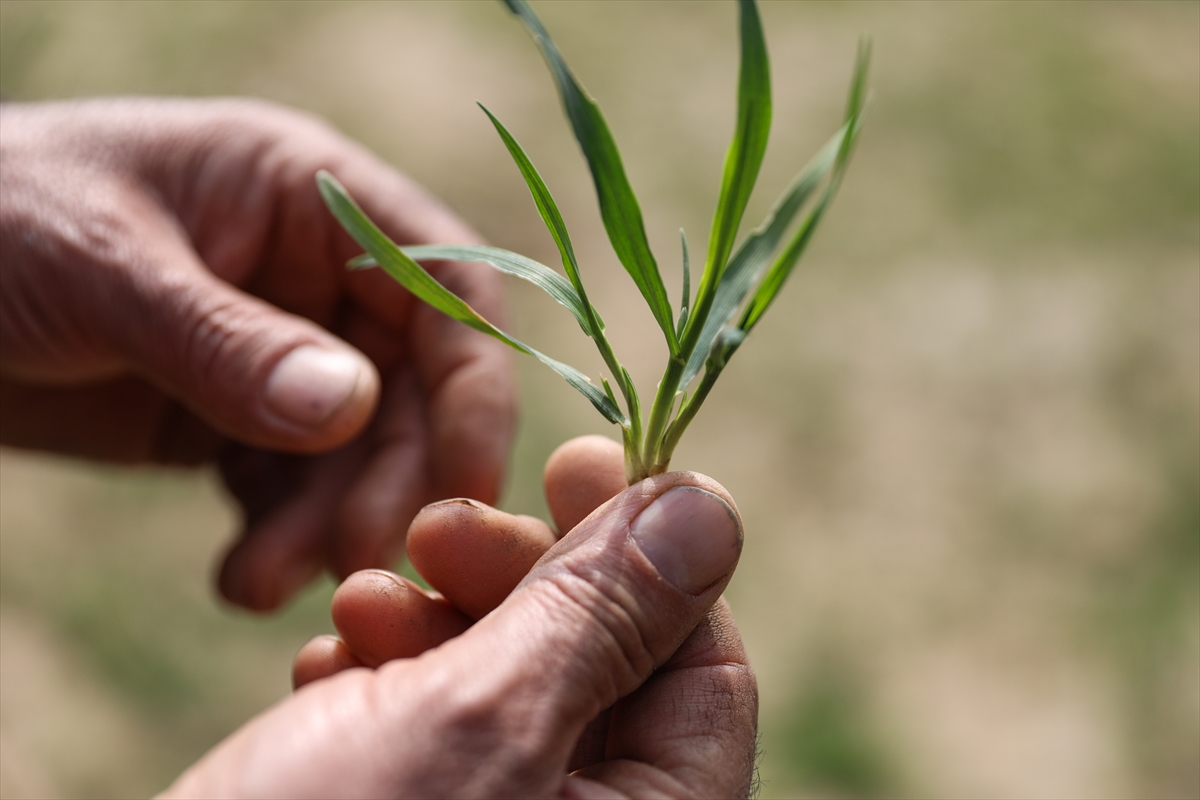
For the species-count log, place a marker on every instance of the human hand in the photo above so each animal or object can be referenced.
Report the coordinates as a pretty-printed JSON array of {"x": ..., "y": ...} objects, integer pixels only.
[
  {"x": 175, "y": 292},
  {"x": 618, "y": 615}
]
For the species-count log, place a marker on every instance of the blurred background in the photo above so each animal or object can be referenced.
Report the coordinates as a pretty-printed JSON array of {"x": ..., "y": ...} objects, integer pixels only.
[{"x": 966, "y": 440}]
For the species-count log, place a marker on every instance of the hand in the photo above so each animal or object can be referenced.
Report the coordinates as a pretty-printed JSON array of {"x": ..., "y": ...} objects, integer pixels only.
[
  {"x": 175, "y": 292},
  {"x": 618, "y": 615}
]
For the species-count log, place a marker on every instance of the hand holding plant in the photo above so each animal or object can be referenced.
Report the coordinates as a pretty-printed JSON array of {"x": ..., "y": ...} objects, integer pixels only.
[
  {"x": 736, "y": 285},
  {"x": 602, "y": 664}
]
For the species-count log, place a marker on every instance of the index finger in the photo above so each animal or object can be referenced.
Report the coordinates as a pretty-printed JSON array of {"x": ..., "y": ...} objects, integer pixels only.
[{"x": 476, "y": 555}]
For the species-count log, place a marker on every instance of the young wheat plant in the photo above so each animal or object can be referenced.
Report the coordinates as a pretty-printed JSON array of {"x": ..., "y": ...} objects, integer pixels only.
[{"x": 737, "y": 284}]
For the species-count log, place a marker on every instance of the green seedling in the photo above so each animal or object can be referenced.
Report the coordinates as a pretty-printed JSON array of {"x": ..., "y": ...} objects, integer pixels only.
[{"x": 737, "y": 284}]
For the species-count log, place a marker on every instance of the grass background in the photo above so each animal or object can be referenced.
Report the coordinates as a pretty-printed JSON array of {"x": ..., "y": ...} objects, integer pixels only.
[{"x": 966, "y": 440}]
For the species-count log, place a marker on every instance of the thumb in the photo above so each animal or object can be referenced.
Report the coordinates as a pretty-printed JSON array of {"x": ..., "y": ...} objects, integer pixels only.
[
  {"x": 603, "y": 608},
  {"x": 251, "y": 370}
]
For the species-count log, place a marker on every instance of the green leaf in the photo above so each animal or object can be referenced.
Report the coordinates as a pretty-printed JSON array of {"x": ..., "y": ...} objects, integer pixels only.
[
  {"x": 857, "y": 99},
  {"x": 514, "y": 264},
  {"x": 754, "y": 254},
  {"x": 551, "y": 216},
  {"x": 558, "y": 230},
  {"x": 505, "y": 261},
  {"x": 686, "y": 295},
  {"x": 603, "y": 403},
  {"x": 766, "y": 292},
  {"x": 618, "y": 205},
  {"x": 729, "y": 340},
  {"x": 745, "y": 155},
  {"x": 782, "y": 268},
  {"x": 413, "y": 277}
]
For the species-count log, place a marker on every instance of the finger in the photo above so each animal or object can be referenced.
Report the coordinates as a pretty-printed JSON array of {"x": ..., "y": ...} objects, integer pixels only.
[
  {"x": 473, "y": 554},
  {"x": 606, "y": 606},
  {"x": 290, "y": 505},
  {"x": 468, "y": 379},
  {"x": 348, "y": 510},
  {"x": 122, "y": 420},
  {"x": 373, "y": 517},
  {"x": 381, "y": 616},
  {"x": 114, "y": 420},
  {"x": 697, "y": 717},
  {"x": 320, "y": 658},
  {"x": 476, "y": 555},
  {"x": 255, "y": 373},
  {"x": 580, "y": 476}
]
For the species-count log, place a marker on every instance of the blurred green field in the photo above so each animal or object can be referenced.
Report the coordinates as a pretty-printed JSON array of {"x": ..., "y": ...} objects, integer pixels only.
[{"x": 966, "y": 441}]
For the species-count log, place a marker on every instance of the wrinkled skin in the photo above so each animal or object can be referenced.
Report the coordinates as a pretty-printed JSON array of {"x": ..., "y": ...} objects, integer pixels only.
[
  {"x": 161, "y": 258},
  {"x": 593, "y": 677}
]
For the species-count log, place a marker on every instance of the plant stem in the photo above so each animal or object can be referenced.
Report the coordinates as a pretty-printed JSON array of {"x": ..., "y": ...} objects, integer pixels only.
[
  {"x": 631, "y": 436},
  {"x": 619, "y": 375},
  {"x": 660, "y": 412},
  {"x": 684, "y": 417}
]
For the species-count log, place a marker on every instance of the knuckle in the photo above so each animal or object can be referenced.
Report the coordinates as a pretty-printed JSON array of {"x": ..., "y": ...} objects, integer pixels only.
[
  {"x": 608, "y": 617},
  {"x": 212, "y": 349},
  {"x": 502, "y": 741},
  {"x": 268, "y": 117}
]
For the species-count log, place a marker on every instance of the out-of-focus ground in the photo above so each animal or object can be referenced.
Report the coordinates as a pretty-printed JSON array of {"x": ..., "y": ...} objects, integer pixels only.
[{"x": 966, "y": 441}]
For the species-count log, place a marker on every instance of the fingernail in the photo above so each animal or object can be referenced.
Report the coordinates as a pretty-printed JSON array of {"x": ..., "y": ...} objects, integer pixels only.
[
  {"x": 382, "y": 576},
  {"x": 459, "y": 501},
  {"x": 692, "y": 537},
  {"x": 310, "y": 383}
]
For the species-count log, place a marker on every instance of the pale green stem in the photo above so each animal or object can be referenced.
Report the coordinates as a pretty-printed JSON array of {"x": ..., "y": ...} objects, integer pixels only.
[
  {"x": 684, "y": 418},
  {"x": 614, "y": 366},
  {"x": 660, "y": 412}
]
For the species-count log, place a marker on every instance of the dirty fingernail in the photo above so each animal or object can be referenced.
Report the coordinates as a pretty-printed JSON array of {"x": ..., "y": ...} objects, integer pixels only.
[
  {"x": 691, "y": 536},
  {"x": 459, "y": 501}
]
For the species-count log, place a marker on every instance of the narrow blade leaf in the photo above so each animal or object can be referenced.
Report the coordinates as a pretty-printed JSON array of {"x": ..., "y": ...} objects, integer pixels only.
[
  {"x": 413, "y": 277},
  {"x": 618, "y": 205},
  {"x": 782, "y": 268},
  {"x": 544, "y": 202},
  {"x": 509, "y": 263},
  {"x": 687, "y": 286},
  {"x": 729, "y": 340},
  {"x": 602, "y": 401},
  {"x": 754, "y": 254},
  {"x": 745, "y": 155}
]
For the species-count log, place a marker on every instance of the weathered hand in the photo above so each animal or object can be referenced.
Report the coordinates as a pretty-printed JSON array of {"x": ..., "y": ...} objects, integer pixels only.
[
  {"x": 608, "y": 671},
  {"x": 174, "y": 291}
]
